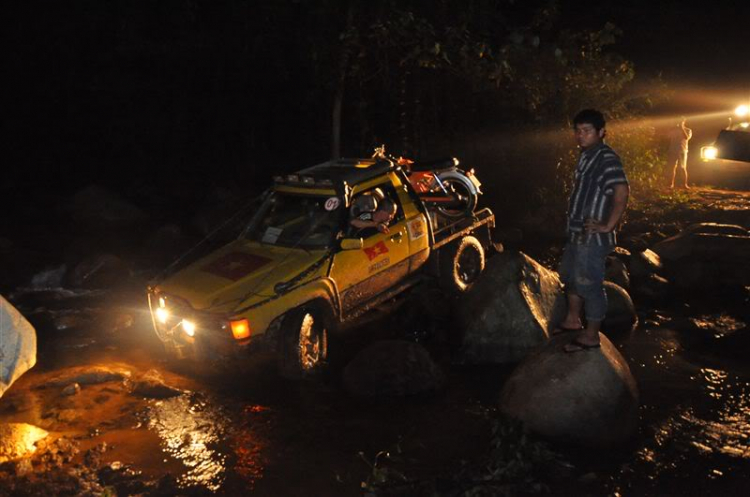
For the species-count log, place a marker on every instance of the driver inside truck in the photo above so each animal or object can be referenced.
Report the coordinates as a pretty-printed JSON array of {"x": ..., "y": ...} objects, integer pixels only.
[{"x": 372, "y": 210}]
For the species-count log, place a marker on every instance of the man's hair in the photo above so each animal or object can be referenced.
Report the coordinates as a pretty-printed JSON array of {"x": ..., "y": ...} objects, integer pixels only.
[{"x": 590, "y": 116}]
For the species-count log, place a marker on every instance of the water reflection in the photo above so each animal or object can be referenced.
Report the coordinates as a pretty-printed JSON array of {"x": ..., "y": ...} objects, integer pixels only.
[
  {"x": 718, "y": 426},
  {"x": 720, "y": 324},
  {"x": 203, "y": 438},
  {"x": 191, "y": 433}
]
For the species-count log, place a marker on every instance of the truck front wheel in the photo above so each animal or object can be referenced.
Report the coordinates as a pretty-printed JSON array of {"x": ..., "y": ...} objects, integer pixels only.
[
  {"x": 461, "y": 264},
  {"x": 304, "y": 343}
]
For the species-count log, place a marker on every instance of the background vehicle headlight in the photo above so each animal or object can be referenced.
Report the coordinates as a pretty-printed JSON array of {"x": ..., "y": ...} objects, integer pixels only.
[
  {"x": 741, "y": 111},
  {"x": 162, "y": 315},
  {"x": 709, "y": 152},
  {"x": 188, "y": 327}
]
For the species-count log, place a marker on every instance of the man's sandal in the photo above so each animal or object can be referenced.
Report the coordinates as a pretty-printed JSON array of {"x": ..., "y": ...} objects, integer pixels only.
[
  {"x": 580, "y": 346},
  {"x": 559, "y": 330}
]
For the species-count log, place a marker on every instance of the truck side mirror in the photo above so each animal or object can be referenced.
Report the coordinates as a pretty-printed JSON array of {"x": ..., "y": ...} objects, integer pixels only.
[{"x": 352, "y": 244}]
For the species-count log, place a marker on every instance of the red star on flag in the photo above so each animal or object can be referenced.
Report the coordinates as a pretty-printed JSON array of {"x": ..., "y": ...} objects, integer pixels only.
[
  {"x": 235, "y": 265},
  {"x": 378, "y": 249}
]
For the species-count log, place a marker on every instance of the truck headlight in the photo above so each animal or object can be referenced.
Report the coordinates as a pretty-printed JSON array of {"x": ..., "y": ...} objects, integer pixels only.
[
  {"x": 188, "y": 327},
  {"x": 162, "y": 315},
  {"x": 709, "y": 153}
]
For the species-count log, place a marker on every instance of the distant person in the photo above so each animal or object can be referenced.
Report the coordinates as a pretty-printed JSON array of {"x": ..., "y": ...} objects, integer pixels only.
[
  {"x": 596, "y": 206},
  {"x": 679, "y": 136}
]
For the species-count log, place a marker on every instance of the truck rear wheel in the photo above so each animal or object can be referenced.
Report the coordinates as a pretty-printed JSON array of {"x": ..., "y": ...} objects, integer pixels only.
[
  {"x": 304, "y": 344},
  {"x": 461, "y": 264}
]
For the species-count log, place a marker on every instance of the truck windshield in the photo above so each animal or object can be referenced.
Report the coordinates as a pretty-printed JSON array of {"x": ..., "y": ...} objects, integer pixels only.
[{"x": 297, "y": 221}]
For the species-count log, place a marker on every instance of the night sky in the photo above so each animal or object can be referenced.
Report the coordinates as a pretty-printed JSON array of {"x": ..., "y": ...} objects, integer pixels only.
[{"x": 109, "y": 92}]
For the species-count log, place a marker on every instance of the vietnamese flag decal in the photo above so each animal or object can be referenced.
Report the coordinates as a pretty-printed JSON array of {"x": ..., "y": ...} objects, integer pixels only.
[
  {"x": 235, "y": 265},
  {"x": 376, "y": 250}
]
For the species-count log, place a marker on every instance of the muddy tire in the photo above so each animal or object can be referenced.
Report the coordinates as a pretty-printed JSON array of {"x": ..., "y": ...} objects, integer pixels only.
[
  {"x": 461, "y": 264},
  {"x": 303, "y": 347}
]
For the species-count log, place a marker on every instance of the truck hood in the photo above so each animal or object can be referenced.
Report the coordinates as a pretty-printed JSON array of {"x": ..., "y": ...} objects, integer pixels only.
[{"x": 241, "y": 272}]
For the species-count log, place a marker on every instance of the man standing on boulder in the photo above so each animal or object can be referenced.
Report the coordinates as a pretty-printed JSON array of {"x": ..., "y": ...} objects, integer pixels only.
[{"x": 595, "y": 209}]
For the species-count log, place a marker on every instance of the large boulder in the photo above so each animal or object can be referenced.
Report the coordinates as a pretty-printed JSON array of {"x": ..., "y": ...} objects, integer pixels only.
[
  {"x": 621, "y": 316},
  {"x": 95, "y": 206},
  {"x": 691, "y": 242},
  {"x": 707, "y": 255},
  {"x": 17, "y": 440},
  {"x": 99, "y": 271},
  {"x": 588, "y": 398},
  {"x": 392, "y": 368},
  {"x": 510, "y": 310},
  {"x": 17, "y": 345},
  {"x": 616, "y": 271},
  {"x": 655, "y": 289},
  {"x": 643, "y": 264}
]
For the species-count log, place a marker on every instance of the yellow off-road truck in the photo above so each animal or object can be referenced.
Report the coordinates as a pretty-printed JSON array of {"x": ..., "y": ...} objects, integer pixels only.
[{"x": 299, "y": 270}]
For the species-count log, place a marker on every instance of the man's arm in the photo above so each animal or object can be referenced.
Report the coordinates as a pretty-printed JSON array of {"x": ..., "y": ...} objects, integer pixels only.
[
  {"x": 361, "y": 224},
  {"x": 619, "y": 203}
]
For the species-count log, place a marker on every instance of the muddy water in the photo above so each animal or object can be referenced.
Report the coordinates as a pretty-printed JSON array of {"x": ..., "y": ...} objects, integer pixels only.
[{"x": 247, "y": 432}]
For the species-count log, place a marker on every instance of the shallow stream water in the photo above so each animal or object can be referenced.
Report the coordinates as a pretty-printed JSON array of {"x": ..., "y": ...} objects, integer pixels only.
[{"x": 248, "y": 432}]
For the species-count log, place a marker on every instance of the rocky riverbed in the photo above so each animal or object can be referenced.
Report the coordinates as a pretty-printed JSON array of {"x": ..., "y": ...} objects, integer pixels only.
[{"x": 117, "y": 418}]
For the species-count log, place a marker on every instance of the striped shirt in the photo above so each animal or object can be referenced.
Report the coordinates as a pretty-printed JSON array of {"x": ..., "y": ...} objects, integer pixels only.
[{"x": 598, "y": 170}]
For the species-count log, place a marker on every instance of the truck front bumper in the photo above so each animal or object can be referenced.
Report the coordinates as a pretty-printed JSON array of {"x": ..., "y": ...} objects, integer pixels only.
[{"x": 207, "y": 337}]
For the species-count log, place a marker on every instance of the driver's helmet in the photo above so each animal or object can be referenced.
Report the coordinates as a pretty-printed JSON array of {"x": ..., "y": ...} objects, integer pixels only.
[{"x": 364, "y": 203}]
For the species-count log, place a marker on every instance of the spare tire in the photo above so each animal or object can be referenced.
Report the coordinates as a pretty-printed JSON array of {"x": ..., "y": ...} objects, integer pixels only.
[{"x": 461, "y": 263}]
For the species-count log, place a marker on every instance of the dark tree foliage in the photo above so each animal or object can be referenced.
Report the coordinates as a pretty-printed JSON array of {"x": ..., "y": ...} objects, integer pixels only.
[{"x": 199, "y": 90}]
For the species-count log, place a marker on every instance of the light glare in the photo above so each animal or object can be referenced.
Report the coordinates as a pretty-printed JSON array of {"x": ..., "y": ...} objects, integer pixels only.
[
  {"x": 710, "y": 152},
  {"x": 162, "y": 315},
  {"x": 188, "y": 327}
]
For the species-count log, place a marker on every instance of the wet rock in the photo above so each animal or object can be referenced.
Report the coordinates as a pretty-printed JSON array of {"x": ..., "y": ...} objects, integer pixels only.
[
  {"x": 17, "y": 440},
  {"x": 98, "y": 271},
  {"x": 588, "y": 398},
  {"x": 72, "y": 320},
  {"x": 112, "y": 322},
  {"x": 67, "y": 415},
  {"x": 151, "y": 385},
  {"x": 621, "y": 316},
  {"x": 165, "y": 245},
  {"x": 88, "y": 376},
  {"x": 690, "y": 242},
  {"x": 72, "y": 389},
  {"x": 392, "y": 368},
  {"x": 712, "y": 270},
  {"x": 97, "y": 207},
  {"x": 654, "y": 288},
  {"x": 511, "y": 309},
  {"x": 617, "y": 272},
  {"x": 623, "y": 254},
  {"x": 93, "y": 457},
  {"x": 634, "y": 243},
  {"x": 643, "y": 264},
  {"x": 49, "y": 278},
  {"x": 17, "y": 345},
  {"x": 21, "y": 467}
]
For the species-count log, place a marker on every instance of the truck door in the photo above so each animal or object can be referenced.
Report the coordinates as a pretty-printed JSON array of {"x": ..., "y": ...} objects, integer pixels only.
[{"x": 382, "y": 262}]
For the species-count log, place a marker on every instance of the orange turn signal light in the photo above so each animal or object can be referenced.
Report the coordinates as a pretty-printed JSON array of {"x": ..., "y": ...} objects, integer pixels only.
[{"x": 240, "y": 329}]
